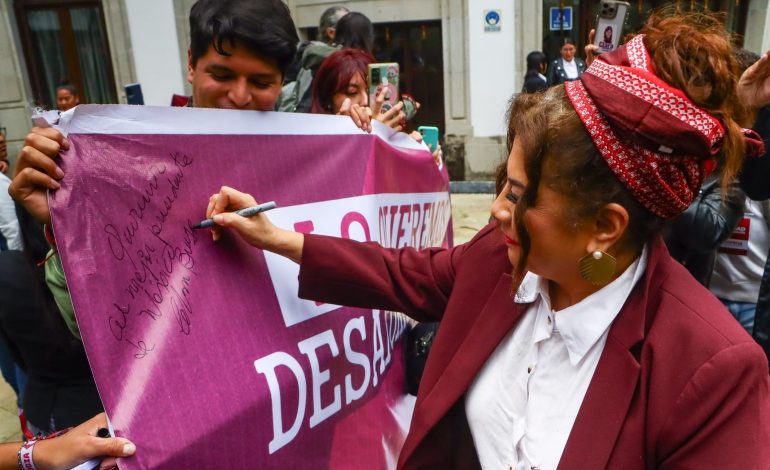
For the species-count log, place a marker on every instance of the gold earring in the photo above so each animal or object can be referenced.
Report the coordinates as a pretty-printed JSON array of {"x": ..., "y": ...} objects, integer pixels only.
[{"x": 598, "y": 267}]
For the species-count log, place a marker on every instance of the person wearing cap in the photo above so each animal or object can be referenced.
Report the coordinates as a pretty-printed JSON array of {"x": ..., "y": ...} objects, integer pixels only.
[{"x": 569, "y": 336}]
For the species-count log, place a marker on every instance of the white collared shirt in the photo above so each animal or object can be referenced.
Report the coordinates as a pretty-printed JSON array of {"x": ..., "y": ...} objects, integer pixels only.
[
  {"x": 523, "y": 403},
  {"x": 570, "y": 68}
]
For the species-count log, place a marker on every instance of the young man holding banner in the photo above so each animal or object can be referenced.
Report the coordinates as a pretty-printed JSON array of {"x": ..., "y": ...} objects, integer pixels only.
[{"x": 231, "y": 65}]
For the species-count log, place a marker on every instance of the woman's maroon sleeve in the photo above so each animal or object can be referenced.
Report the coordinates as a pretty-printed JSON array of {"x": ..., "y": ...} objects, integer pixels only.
[{"x": 347, "y": 272}]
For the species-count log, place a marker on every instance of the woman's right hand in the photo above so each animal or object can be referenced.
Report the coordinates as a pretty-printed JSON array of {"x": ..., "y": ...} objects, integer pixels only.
[
  {"x": 361, "y": 115},
  {"x": 256, "y": 230},
  {"x": 36, "y": 171}
]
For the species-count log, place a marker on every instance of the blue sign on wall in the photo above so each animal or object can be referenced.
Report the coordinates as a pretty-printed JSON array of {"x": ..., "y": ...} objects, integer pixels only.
[
  {"x": 492, "y": 21},
  {"x": 561, "y": 18}
]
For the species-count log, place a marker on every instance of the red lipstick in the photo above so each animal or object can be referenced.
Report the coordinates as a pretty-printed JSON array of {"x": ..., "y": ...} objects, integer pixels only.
[{"x": 510, "y": 241}]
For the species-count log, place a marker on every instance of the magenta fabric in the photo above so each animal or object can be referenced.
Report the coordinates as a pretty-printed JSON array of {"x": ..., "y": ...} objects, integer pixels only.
[{"x": 177, "y": 327}]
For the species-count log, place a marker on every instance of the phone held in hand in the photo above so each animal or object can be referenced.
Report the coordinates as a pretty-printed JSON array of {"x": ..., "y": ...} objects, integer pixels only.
[
  {"x": 383, "y": 77},
  {"x": 609, "y": 24},
  {"x": 429, "y": 136},
  {"x": 410, "y": 106}
]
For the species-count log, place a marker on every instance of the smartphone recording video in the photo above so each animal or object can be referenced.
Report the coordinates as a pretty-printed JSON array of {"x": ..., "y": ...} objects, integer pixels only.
[
  {"x": 383, "y": 77},
  {"x": 609, "y": 24}
]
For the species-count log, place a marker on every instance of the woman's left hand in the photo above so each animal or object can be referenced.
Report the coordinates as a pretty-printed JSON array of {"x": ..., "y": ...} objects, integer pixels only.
[
  {"x": 79, "y": 445},
  {"x": 437, "y": 154},
  {"x": 416, "y": 136}
]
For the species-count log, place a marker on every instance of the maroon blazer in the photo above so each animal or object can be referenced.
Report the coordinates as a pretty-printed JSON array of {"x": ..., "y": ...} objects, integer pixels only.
[{"x": 680, "y": 385}]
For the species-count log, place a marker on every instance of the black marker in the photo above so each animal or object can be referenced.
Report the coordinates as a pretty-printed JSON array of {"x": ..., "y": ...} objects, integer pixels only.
[{"x": 247, "y": 212}]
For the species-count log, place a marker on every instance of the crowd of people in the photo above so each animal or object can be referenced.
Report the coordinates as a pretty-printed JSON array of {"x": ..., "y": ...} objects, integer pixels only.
[{"x": 576, "y": 329}]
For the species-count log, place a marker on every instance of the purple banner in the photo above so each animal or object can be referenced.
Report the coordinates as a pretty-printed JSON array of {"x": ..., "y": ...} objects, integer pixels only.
[{"x": 202, "y": 353}]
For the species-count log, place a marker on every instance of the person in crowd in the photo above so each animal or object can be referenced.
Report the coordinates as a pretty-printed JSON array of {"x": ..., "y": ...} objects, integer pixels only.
[
  {"x": 754, "y": 93},
  {"x": 10, "y": 233},
  {"x": 327, "y": 27},
  {"x": 355, "y": 30},
  {"x": 569, "y": 336},
  {"x": 60, "y": 391},
  {"x": 740, "y": 263},
  {"x": 4, "y": 165},
  {"x": 534, "y": 80},
  {"x": 340, "y": 87},
  {"x": 568, "y": 67},
  {"x": 67, "y": 450},
  {"x": 10, "y": 240},
  {"x": 296, "y": 94},
  {"x": 67, "y": 96},
  {"x": 694, "y": 236}
]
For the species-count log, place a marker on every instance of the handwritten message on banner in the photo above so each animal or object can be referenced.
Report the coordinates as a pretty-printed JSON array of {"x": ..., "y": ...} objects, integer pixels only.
[{"x": 202, "y": 352}]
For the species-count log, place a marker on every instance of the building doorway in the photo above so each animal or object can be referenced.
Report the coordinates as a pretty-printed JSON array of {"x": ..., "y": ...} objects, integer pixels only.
[
  {"x": 417, "y": 47},
  {"x": 66, "y": 41}
]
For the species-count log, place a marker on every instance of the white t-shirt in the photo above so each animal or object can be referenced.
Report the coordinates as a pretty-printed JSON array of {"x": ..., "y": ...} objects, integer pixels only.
[
  {"x": 740, "y": 261},
  {"x": 523, "y": 403},
  {"x": 9, "y": 224}
]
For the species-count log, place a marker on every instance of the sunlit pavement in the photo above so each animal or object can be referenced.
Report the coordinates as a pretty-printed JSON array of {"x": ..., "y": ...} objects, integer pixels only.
[
  {"x": 9, "y": 419},
  {"x": 470, "y": 213}
]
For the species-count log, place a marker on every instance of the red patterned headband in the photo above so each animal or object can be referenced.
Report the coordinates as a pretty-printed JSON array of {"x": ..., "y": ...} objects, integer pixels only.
[{"x": 656, "y": 141}]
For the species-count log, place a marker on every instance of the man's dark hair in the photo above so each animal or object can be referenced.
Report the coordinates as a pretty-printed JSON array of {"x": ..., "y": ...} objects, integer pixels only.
[
  {"x": 264, "y": 27},
  {"x": 65, "y": 85},
  {"x": 745, "y": 58},
  {"x": 356, "y": 31},
  {"x": 329, "y": 19}
]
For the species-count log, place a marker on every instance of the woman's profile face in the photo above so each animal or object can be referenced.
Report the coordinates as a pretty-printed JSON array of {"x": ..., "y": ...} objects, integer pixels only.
[
  {"x": 355, "y": 90},
  {"x": 555, "y": 246}
]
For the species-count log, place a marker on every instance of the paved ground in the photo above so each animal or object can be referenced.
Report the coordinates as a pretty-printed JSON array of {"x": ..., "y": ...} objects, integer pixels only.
[
  {"x": 9, "y": 419},
  {"x": 470, "y": 212}
]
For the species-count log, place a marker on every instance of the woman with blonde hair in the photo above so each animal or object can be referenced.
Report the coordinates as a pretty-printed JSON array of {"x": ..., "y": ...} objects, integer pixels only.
[{"x": 569, "y": 337}]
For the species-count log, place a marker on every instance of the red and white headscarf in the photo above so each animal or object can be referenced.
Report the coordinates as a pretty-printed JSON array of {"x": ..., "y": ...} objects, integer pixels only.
[{"x": 659, "y": 143}]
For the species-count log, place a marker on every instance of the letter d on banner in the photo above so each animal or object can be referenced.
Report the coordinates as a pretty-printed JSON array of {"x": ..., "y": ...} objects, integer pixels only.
[{"x": 267, "y": 366}]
